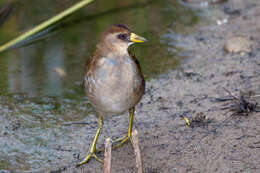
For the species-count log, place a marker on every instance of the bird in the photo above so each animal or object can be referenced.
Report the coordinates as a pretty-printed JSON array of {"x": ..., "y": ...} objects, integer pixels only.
[{"x": 113, "y": 81}]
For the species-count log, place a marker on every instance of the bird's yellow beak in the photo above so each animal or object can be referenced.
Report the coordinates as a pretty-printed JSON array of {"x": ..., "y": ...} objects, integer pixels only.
[{"x": 136, "y": 38}]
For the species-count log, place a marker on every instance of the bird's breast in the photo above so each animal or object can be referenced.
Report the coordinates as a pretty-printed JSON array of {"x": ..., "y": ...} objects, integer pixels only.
[{"x": 113, "y": 85}]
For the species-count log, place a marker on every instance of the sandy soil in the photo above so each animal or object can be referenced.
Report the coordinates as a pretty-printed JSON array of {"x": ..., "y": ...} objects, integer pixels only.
[{"x": 167, "y": 144}]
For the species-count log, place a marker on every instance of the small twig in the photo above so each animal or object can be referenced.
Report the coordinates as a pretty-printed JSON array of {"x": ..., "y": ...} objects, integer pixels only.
[
  {"x": 255, "y": 96},
  {"x": 138, "y": 158},
  {"x": 235, "y": 97},
  {"x": 108, "y": 153},
  {"x": 187, "y": 121},
  {"x": 61, "y": 149}
]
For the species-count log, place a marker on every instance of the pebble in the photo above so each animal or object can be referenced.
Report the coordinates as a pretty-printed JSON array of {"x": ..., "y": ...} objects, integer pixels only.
[{"x": 239, "y": 44}]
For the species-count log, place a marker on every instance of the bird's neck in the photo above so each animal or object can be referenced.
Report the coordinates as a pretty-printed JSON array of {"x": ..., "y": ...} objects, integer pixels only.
[{"x": 111, "y": 50}]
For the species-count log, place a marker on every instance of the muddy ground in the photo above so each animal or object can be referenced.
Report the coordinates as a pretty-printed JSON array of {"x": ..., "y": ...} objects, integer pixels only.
[{"x": 167, "y": 144}]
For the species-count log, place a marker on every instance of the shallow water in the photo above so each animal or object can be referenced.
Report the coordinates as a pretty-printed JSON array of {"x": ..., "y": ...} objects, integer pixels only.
[{"x": 40, "y": 83}]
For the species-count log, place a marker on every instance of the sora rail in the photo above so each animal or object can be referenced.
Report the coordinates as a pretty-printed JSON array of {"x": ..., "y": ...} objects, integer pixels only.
[{"x": 113, "y": 81}]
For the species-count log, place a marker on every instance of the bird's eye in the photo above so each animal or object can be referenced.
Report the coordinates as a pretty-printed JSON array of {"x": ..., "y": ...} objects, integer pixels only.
[{"x": 123, "y": 36}]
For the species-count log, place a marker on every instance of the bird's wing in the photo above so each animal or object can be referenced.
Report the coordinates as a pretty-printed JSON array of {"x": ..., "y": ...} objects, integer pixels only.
[
  {"x": 138, "y": 67},
  {"x": 90, "y": 63},
  {"x": 136, "y": 62}
]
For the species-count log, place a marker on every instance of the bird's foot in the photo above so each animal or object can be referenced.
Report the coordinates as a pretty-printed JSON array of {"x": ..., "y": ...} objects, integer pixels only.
[
  {"x": 122, "y": 140},
  {"x": 89, "y": 156}
]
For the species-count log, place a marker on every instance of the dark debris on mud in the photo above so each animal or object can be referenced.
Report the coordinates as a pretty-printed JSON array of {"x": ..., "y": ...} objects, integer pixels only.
[
  {"x": 241, "y": 105},
  {"x": 198, "y": 120}
]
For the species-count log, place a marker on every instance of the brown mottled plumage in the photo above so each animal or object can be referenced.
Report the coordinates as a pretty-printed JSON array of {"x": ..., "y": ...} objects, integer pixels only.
[{"x": 113, "y": 81}]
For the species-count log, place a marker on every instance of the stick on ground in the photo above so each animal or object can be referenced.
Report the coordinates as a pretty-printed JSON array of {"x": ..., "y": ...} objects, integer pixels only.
[
  {"x": 107, "y": 159},
  {"x": 138, "y": 159}
]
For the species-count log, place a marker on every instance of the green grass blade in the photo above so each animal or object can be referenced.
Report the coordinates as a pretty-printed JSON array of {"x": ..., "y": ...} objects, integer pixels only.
[{"x": 45, "y": 24}]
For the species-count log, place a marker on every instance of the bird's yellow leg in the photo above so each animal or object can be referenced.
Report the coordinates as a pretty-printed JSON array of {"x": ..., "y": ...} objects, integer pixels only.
[
  {"x": 127, "y": 137},
  {"x": 93, "y": 146}
]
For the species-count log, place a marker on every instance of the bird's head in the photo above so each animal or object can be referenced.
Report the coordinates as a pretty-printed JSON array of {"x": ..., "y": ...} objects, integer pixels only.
[{"x": 118, "y": 38}]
